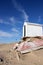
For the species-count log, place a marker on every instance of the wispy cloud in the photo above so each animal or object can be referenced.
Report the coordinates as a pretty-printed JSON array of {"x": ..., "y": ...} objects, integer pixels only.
[
  {"x": 20, "y": 9},
  {"x": 8, "y": 21},
  {"x": 15, "y": 33},
  {"x": 25, "y": 16},
  {"x": 14, "y": 30},
  {"x": 39, "y": 18},
  {"x": 5, "y": 34},
  {"x": 1, "y": 21},
  {"x": 12, "y": 19}
]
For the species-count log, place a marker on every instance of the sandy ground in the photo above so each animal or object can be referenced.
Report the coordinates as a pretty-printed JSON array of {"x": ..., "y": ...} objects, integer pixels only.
[{"x": 10, "y": 57}]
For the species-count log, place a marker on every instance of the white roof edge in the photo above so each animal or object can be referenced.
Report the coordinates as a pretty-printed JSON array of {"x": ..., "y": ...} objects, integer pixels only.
[{"x": 25, "y": 23}]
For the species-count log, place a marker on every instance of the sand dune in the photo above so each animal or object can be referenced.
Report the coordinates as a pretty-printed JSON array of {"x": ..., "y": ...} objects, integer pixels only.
[{"x": 10, "y": 57}]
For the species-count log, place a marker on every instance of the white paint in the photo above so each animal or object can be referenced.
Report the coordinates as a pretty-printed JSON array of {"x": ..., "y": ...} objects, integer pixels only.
[{"x": 32, "y": 29}]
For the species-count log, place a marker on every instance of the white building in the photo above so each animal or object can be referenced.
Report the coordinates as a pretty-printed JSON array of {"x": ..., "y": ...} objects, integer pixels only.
[{"x": 32, "y": 29}]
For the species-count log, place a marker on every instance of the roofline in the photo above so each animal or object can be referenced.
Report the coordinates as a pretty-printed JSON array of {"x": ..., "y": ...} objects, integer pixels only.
[{"x": 33, "y": 24}]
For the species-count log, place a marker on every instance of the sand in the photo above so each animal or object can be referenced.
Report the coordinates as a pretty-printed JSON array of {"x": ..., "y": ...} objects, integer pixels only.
[{"x": 10, "y": 57}]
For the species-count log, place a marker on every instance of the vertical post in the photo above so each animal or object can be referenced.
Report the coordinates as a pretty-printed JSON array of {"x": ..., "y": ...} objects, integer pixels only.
[{"x": 24, "y": 29}]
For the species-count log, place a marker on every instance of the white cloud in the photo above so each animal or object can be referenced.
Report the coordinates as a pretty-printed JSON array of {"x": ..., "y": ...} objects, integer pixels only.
[
  {"x": 12, "y": 19},
  {"x": 4, "y": 22},
  {"x": 39, "y": 19},
  {"x": 9, "y": 21},
  {"x": 1, "y": 21},
  {"x": 5, "y": 34},
  {"x": 16, "y": 5},
  {"x": 25, "y": 16},
  {"x": 14, "y": 30},
  {"x": 15, "y": 33},
  {"x": 20, "y": 9}
]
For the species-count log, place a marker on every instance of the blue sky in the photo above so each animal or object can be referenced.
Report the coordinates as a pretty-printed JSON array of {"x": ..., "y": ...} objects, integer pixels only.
[{"x": 13, "y": 13}]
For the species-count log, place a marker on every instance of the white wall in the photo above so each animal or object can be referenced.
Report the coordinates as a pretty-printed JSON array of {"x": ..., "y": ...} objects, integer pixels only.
[{"x": 33, "y": 30}]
